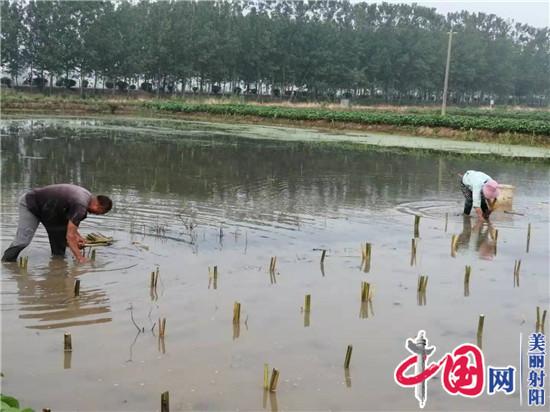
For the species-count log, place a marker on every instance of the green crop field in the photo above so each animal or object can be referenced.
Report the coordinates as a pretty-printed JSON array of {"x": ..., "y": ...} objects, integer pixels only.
[{"x": 454, "y": 121}]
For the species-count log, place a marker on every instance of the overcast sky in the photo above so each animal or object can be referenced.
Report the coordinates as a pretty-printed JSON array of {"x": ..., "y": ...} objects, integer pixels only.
[{"x": 533, "y": 12}]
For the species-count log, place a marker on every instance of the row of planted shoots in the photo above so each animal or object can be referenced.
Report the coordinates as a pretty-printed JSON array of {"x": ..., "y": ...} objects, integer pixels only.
[{"x": 366, "y": 296}]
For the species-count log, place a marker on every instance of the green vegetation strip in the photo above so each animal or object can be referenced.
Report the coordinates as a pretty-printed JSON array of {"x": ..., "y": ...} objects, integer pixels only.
[
  {"x": 460, "y": 122},
  {"x": 11, "y": 404}
]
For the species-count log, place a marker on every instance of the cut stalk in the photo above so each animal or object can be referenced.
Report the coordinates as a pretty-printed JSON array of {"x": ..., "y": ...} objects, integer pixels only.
[
  {"x": 348, "y": 356},
  {"x": 517, "y": 266},
  {"x": 413, "y": 251},
  {"x": 165, "y": 402},
  {"x": 365, "y": 291},
  {"x": 454, "y": 241},
  {"x": 162, "y": 327},
  {"x": 417, "y": 226},
  {"x": 528, "y": 237},
  {"x": 366, "y": 252},
  {"x": 480, "y": 324},
  {"x": 236, "y": 312},
  {"x": 323, "y": 254},
  {"x": 152, "y": 280},
  {"x": 467, "y": 272},
  {"x": 266, "y": 376},
  {"x": 446, "y": 221},
  {"x": 422, "y": 284},
  {"x": 67, "y": 342},
  {"x": 273, "y": 264},
  {"x": 93, "y": 255},
  {"x": 274, "y": 380},
  {"x": 77, "y": 287},
  {"x": 538, "y": 324},
  {"x": 307, "y": 305}
]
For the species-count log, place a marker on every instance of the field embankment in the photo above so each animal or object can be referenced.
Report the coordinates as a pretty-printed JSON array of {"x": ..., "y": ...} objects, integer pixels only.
[{"x": 499, "y": 126}]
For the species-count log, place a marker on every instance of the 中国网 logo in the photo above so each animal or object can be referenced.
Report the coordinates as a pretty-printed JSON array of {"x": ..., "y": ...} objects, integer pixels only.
[{"x": 463, "y": 371}]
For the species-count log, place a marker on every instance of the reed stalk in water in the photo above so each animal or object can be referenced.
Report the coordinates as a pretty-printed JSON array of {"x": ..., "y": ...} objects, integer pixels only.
[
  {"x": 67, "y": 342},
  {"x": 414, "y": 245},
  {"x": 454, "y": 241},
  {"x": 274, "y": 380},
  {"x": 347, "y": 360},
  {"x": 480, "y": 324},
  {"x": 23, "y": 262},
  {"x": 323, "y": 254},
  {"x": 272, "y": 264},
  {"x": 307, "y": 303},
  {"x": 77, "y": 287},
  {"x": 467, "y": 273},
  {"x": 366, "y": 253},
  {"x": 165, "y": 402},
  {"x": 266, "y": 376},
  {"x": 162, "y": 327},
  {"x": 543, "y": 321},
  {"x": 517, "y": 266},
  {"x": 528, "y": 237},
  {"x": 365, "y": 291},
  {"x": 417, "y": 226},
  {"x": 236, "y": 312}
]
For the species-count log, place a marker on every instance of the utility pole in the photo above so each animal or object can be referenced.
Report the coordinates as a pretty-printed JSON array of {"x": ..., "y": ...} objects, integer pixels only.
[{"x": 446, "y": 84}]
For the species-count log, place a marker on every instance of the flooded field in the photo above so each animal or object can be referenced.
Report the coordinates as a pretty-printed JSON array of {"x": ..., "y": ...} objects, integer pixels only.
[{"x": 187, "y": 199}]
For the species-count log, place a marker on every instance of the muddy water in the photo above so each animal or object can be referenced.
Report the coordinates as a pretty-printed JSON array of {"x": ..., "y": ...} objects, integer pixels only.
[{"x": 186, "y": 199}]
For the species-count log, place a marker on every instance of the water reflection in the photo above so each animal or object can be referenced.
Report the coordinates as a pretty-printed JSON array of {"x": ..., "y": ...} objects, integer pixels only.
[
  {"x": 48, "y": 300},
  {"x": 477, "y": 235}
]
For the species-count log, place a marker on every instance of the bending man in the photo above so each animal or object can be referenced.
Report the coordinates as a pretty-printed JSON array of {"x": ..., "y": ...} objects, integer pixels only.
[{"x": 60, "y": 208}]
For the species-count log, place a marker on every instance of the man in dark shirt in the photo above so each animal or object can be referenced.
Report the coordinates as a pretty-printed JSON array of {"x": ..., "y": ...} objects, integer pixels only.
[{"x": 60, "y": 208}]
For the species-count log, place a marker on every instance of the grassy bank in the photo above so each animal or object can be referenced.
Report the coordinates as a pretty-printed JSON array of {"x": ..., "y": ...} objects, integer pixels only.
[{"x": 498, "y": 126}]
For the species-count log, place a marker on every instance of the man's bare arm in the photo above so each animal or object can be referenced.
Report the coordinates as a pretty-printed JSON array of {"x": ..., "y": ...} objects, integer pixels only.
[{"x": 73, "y": 241}]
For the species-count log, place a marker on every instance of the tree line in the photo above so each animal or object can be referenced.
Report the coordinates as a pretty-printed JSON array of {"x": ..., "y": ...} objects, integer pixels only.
[{"x": 319, "y": 49}]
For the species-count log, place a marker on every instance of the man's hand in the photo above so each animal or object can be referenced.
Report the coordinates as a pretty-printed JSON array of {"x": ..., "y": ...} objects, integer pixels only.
[{"x": 74, "y": 241}]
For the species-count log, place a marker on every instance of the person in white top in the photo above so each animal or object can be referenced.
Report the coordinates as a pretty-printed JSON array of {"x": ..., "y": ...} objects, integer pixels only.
[{"x": 480, "y": 192}]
